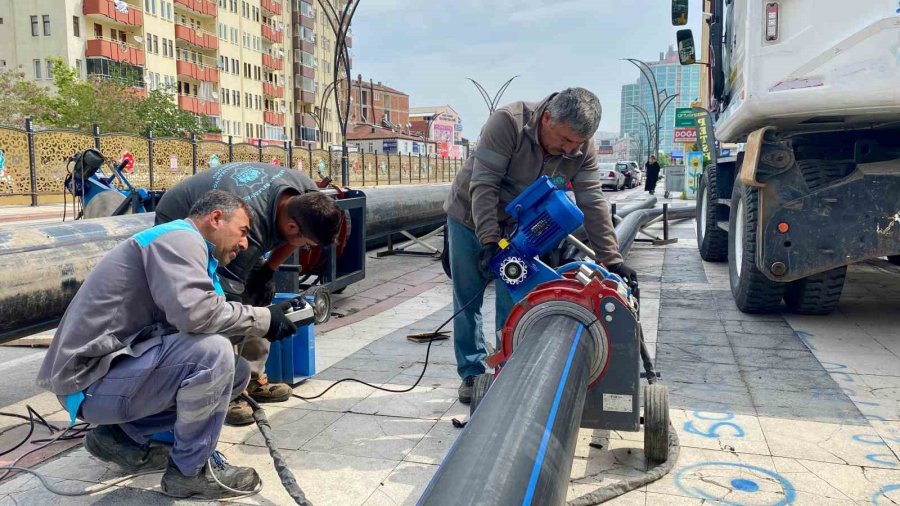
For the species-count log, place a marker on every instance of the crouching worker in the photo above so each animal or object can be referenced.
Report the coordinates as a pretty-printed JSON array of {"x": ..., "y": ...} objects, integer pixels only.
[{"x": 146, "y": 346}]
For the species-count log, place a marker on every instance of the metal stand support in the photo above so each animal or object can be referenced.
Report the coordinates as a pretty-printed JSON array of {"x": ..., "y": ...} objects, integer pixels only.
[
  {"x": 654, "y": 240},
  {"x": 413, "y": 240}
]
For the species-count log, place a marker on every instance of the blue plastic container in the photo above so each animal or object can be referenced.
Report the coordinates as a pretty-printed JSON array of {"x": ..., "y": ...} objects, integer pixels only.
[{"x": 292, "y": 359}]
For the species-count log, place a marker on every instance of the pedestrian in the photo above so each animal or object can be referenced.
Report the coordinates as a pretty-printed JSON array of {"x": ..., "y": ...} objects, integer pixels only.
[
  {"x": 145, "y": 346},
  {"x": 520, "y": 143},
  {"x": 288, "y": 212},
  {"x": 651, "y": 168}
]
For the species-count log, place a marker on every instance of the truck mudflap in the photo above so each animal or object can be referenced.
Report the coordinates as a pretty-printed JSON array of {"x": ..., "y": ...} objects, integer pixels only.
[{"x": 855, "y": 219}]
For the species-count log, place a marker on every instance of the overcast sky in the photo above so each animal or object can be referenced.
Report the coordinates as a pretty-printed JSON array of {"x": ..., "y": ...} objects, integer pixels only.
[{"x": 427, "y": 48}]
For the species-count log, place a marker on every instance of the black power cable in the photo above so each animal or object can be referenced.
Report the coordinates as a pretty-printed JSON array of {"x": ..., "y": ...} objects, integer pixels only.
[{"x": 432, "y": 338}]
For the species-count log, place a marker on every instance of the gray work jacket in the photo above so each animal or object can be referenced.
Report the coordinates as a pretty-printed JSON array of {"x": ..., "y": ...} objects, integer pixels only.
[
  {"x": 507, "y": 160},
  {"x": 160, "y": 281}
]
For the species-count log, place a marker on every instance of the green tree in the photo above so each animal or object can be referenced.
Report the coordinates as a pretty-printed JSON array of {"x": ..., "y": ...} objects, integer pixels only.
[
  {"x": 161, "y": 115},
  {"x": 79, "y": 103},
  {"x": 19, "y": 98}
]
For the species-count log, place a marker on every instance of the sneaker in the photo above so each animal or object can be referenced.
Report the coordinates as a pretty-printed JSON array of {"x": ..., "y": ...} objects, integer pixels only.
[
  {"x": 243, "y": 480},
  {"x": 239, "y": 413},
  {"x": 263, "y": 391},
  {"x": 110, "y": 443},
  {"x": 465, "y": 389}
]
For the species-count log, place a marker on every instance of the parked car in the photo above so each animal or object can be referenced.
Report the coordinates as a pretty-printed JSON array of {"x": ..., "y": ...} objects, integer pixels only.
[
  {"x": 638, "y": 171},
  {"x": 611, "y": 178},
  {"x": 632, "y": 174}
]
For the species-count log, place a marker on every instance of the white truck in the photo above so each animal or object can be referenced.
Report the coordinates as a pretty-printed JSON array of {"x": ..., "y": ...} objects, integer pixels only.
[{"x": 812, "y": 90}]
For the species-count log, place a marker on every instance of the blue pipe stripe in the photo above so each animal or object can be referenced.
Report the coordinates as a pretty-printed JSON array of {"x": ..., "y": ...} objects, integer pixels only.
[
  {"x": 548, "y": 428},
  {"x": 574, "y": 265}
]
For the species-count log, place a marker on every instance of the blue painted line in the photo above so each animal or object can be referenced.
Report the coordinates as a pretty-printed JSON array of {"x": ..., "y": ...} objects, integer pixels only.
[{"x": 542, "y": 450}]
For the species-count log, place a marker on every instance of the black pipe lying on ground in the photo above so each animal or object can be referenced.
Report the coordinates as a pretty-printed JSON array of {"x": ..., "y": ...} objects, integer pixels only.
[
  {"x": 43, "y": 264},
  {"x": 532, "y": 409},
  {"x": 519, "y": 444}
]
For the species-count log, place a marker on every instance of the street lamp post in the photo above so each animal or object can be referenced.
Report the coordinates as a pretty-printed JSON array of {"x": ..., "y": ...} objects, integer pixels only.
[
  {"x": 661, "y": 100},
  {"x": 340, "y": 25},
  {"x": 491, "y": 103},
  {"x": 320, "y": 117}
]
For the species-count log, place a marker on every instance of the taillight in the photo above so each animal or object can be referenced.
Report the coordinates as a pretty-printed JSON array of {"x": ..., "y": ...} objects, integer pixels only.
[
  {"x": 771, "y": 21},
  {"x": 612, "y": 174}
]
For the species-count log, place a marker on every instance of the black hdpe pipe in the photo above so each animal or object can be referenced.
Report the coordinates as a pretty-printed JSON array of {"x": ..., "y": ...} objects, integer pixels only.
[
  {"x": 512, "y": 451},
  {"x": 42, "y": 265},
  {"x": 522, "y": 437}
]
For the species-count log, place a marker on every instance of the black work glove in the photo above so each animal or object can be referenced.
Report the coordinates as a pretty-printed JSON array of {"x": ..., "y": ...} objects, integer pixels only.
[
  {"x": 233, "y": 297},
  {"x": 487, "y": 253},
  {"x": 629, "y": 275},
  {"x": 279, "y": 325},
  {"x": 259, "y": 290}
]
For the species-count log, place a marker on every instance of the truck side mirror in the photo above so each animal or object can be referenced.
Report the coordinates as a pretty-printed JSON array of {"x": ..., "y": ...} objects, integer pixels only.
[
  {"x": 679, "y": 12},
  {"x": 686, "y": 53}
]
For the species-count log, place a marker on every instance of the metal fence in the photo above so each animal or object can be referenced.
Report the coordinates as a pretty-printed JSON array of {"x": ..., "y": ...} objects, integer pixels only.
[{"x": 33, "y": 162}]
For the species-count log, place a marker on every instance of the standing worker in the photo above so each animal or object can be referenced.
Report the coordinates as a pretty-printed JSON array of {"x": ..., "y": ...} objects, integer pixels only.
[
  {"x": 287, "y": 212},
  {"x": 145, "y": 346},
  {"x": 520, "y": 142},
  {"x": 651, "y": 168}
]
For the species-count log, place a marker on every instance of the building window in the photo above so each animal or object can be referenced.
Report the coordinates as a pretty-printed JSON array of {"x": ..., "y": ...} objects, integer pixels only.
[
  {"x": 155, "y": 44},
  {"x": 78, "y": 68},
  {"x": 37, "y": 69},
  {"x": 46, "y": 19},
  {"x": 98, "y": 31},
  {"x": 76, "y": 26},
  {"x": 34, "y": 26},
  {"x": 49, "y": 70}
]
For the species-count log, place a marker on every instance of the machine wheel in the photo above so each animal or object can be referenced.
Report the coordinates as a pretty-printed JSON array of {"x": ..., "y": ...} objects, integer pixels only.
[
  {"x": 479, "y": 389},
  {"x": 753, "y": 292},
  {"x": 894, "y": 259},
  {"x": 321, "y": 301},
  {"x": 712, "y": 240},
  {"x": 656, "y": 423},
  {"x": 817, "y": 294},
  {"x": 104, "y": 204}
]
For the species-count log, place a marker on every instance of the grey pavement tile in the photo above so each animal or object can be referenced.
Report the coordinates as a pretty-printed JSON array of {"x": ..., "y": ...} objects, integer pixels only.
[
  {"x": 762, "y": 358},
  {"x": 422, "y": 402},
  {"x": 698, "y": 335},
  {"x": 379, "y": 437},
  {"x": 779, "y": 328},
  {"x": 353, "y": 304},
  {"x": 335, "y": 373},
  {"x": 709, "y": 397},
  {"x": 794, "y": 380},
  {"x": 403, "y": 486},
  {"x": 709, "y": 324},
  {"x": 821, "y": 405},
  {"x": 676, "y": 294},
  {"x": 30, "y": 492},
  {"x": 384, "y": 290},
  {"x": 291, "y": 427},
  {"x": 692, "y": 353},
  {"x": 701, "y": 373},
  {"x": 767, "y": 341},
  {"x": 432, "y": 448}
]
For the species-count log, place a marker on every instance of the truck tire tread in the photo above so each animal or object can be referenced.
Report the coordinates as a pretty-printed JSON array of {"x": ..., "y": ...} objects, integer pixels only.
[
  {"x": 714, "y": 245},
  {"x": 818, "y": 294},
  {"x": 753, "y": 292}
]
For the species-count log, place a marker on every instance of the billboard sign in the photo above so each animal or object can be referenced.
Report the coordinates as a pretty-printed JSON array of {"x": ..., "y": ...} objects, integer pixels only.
[
  {"x": 684, "y": 135},
  {"x": 389, "y": 146},
  {"x": 684, "y": 117}
]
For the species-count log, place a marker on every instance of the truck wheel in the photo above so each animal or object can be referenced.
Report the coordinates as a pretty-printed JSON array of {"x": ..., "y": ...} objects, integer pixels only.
[
  {"x": 817, "y": 294},
  {"x": 894, "y": 259},
  {"x": 711, "y": 240},
  {"x": 753, "y": 292}
]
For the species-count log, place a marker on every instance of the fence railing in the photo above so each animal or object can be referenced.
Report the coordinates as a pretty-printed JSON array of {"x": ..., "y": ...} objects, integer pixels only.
[{"x": 33, "y": 162}]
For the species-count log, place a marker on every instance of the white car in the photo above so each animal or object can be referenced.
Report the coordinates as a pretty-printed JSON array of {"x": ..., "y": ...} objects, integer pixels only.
[{"x": 611, "y": 178}]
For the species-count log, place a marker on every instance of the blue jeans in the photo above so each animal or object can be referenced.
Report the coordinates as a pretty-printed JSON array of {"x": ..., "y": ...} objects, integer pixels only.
[
  {"x": 183, "y": 384},
  {"x": 468, "y": 336}
]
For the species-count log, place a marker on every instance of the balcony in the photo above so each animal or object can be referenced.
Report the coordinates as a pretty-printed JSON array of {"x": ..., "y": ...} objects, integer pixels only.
[
  {"x": 273, "y": 118},
  {"x": 193, "y": 37},
  {"x": 272, "y": 6},
  {"x": 272, "y": 90},
  {"x": 271, "y": 35},
  {"x": 306, "y": 45},
  {"x": 106, "y": 9},
  {"x": 304, "y": 120},
  {"x": 202, "y": 7},
  {"x": 272, "y": 62},
  {"x": 198, "y": 106},
  {"x": 196, "y": 72},
  {"x": 306, "y": 71},
  {"x": 305, "y": 96},
  {"x": 115, "y": 51}
]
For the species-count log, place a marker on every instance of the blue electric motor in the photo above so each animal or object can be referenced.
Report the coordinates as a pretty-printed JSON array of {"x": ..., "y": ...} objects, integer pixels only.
[{"x": 545, "y": 217}]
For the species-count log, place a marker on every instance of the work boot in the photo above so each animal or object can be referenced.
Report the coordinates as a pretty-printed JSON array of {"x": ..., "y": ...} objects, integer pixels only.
[
  {"x": 239, "y": 413},
  {"x": 465, "y": 389},
  {"x": 110, "y": 443},
  {"x": 244, "y": 480},
  {"x": 263, "y": 391}
]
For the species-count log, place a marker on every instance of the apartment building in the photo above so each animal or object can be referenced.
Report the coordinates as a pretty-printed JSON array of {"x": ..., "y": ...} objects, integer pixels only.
[{"x": 228, "y": 60}]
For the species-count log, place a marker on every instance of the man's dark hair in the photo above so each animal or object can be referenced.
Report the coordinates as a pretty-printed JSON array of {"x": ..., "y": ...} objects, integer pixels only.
[
  {"x": 318, "y": 215},
  {"x": 220, "y": 200}
]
